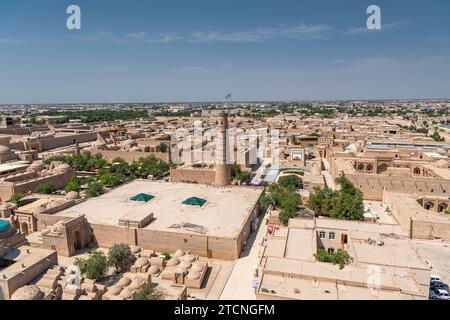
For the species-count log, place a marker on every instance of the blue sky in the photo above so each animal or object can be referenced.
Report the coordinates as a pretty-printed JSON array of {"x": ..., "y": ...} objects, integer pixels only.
[{"x": 199, "y": 50}]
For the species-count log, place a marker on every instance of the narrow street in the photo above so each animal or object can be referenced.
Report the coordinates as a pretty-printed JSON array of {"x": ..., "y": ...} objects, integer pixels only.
[{"x": 239, "y": 284}]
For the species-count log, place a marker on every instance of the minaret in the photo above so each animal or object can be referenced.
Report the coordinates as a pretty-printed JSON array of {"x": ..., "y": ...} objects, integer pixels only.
[{"x": 223, "y": 169}]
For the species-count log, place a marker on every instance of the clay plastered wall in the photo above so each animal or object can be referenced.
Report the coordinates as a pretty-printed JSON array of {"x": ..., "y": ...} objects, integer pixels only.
[
  {"x": 106, "y": 236},
  {"x": 223, "y": 248},
  {"x": 6, "y": 192},
  {"x": 430, "y": 230},
  {"x": 45, "y": 220},
  {"x": 214, "y": 247},
  {"x": 172, "y": 241},
  {"x": 17, "y": 146},
  {"x": 9, "y": 286},
  {"x": 372, "y": 186},
  {"x": 129, "y": 156},
  {"x": 402, "y": 216},
  {"x": 59, "y": 180},
  {"x": 58, "y": 142},
  {"x": 196, "y": 176}
]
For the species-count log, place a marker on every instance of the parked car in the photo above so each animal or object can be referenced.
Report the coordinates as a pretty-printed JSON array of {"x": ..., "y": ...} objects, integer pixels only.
[
  {"x": 439, "y": 295},
  {"x": 435, "y": 278},
  {"x": 438, "y": 285}
]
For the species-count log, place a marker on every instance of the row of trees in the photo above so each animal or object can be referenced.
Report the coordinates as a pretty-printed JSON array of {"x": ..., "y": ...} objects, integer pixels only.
[
  {"x": 90, "y": 116},
  {"x": 97, "y": 265},
  {"x": 110, "y": 175},
  {"x": 345, "y": 204},
  {"x": 84, "y": 161}
]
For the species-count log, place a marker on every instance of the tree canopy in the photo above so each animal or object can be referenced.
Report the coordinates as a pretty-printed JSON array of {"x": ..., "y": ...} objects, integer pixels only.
[
  {"x": 120, "y": 257},
  {"x": 16, "y": 198},
  {"x": 95, "y": 267},
  {"x": 345, "y": 204},
  {"x": 72, "y": 185},
  {"x": 293, "y": 182},
  {"x": 283, "y": 198},
  {"x": 238, "y": 174},
  {"x": 46, "y": 188},
  {"x": 84, "y": 161},
  {"x": 340, "y": 257}
]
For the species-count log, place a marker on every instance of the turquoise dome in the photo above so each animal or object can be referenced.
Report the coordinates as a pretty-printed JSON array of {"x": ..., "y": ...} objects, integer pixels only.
[{"x": 4, "y": 226}]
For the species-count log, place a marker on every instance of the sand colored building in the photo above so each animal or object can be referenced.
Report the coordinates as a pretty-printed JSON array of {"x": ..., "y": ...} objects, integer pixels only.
[
  {"x": 383, "y": 266},
  {"x": 208, "y": 221},
  {"x": 19, "y": 266},
  {"x": 422, "y": 216},
  {"x": 394, "y": 167},
  {"x": 35, "y": 175}
]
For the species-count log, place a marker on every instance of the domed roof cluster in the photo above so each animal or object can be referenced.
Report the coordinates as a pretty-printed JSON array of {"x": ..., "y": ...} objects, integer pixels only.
[{"x": 125, "y": 287}]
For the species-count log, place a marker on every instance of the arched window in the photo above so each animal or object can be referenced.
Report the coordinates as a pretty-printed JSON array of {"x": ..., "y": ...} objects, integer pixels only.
[
  {"x": 382, "y": 168},
  {"x": 442, "y": 207},
  {"x": 429, "y": 205},
  {"x": 416, "y": 171},
  {"x": 369, "y": 167},
  {"x": 360, "y": 167}
]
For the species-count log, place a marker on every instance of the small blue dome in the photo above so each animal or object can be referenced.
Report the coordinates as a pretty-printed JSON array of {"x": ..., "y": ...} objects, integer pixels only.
[{"x": 4, "y": 226}]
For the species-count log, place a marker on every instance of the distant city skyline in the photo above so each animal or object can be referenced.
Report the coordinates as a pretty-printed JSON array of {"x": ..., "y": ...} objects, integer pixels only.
[{"x": 198, "y": 51}]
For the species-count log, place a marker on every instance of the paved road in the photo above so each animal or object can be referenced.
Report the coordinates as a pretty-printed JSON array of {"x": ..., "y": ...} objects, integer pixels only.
[{"x": 239, "y": 284}]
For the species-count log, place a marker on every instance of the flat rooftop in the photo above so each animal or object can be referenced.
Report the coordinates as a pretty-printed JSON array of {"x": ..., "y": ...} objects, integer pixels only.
[
  {"x": 24, "y": 258},
  {"x": 223, "y": 214},
  {"x": 14, "y": 165}
]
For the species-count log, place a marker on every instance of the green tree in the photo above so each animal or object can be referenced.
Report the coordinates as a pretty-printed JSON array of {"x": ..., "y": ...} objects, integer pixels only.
[
  {"x": 437, "y": 137},
  {"x": 95, "y": 189},
  {"x": 112, "y": 180},
  {"x": 162, "y": 147},
  {"x": 345, "y": 204},
  {"x": 95, "y": 267},
  {"x": 238, "y": 174},
  {"x": 422, "y": 130},
  {"x": 341, "y": 257},
  {"x": 293, "y": 182},
  {"x": 120, "y": 166},
  {"x": 286, "y": 199},
  {"x": 81, "y": 162},
  {"x": 73, "y": 185},
  {"x": 273, "y": 196},
  {"x": 46, "y": 188},
  {"x": 151, "y": 166},
  {"x": 16, "y": 198},
  {"x": 120, "y": 257},
  {"x": 320, "y": 201},
  {"x": 149, "y": 291}
]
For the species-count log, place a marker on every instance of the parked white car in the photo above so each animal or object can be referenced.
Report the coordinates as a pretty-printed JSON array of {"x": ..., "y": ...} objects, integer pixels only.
[
  {"x": 439, "y": 295},
  {"x": 434, "y": 278}
]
